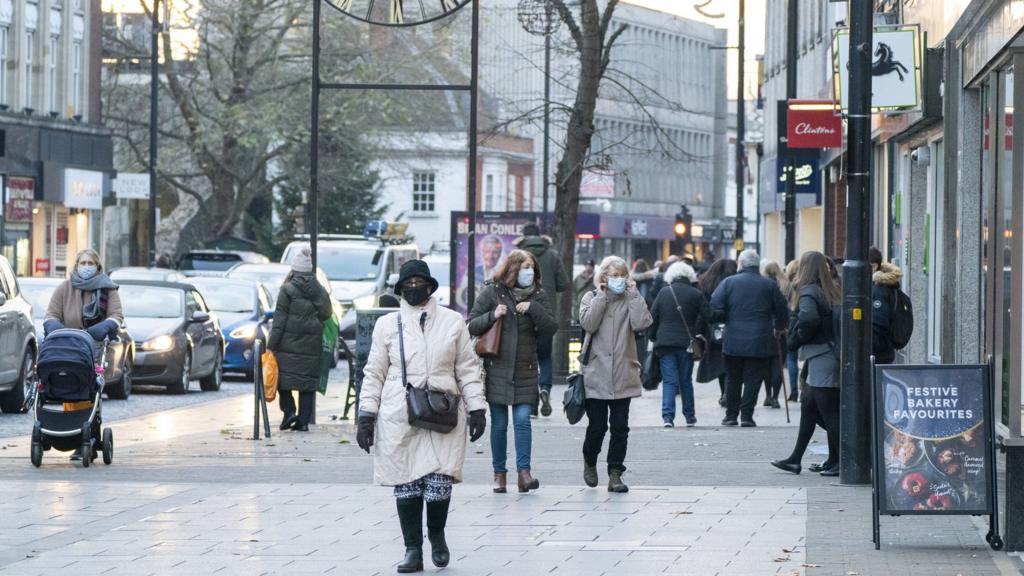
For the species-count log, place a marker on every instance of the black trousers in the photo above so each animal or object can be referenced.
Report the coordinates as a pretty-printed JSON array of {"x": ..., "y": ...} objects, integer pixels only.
[
  {"x": 306, "y": 402},
  {"x": 602, "y": 415},
  {"x": 743, "y": 383},
  {"x": 818, "y": 406}
]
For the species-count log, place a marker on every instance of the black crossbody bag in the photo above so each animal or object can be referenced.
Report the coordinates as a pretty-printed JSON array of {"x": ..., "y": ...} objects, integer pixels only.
[{"x": 428, "y": 409}]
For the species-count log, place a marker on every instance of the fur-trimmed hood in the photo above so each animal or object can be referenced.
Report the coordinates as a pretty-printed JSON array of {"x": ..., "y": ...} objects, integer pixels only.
[{"x": 887, "y": 275}]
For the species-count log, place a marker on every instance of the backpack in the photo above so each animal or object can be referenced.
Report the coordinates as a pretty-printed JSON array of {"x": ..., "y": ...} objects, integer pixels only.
[{"x": 901, "y": 319}]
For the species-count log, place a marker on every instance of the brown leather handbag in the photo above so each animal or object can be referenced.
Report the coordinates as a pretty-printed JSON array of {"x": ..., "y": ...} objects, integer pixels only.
[{"x": 488, "y": 345}]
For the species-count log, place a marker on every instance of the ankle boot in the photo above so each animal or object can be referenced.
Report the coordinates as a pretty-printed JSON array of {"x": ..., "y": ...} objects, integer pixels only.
[
  {"x": 500, "y": 482},
  {"x": 527, "y": 482},
  {"x": 410, "y": 516},
  {"x": 590, "y": 475},
  {"x": 437, "y": 518},
  {"x": 615, "y": 483}
]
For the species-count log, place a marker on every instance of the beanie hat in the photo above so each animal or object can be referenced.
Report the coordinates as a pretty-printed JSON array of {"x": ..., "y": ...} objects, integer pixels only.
[{"x": 303, "y": 261}]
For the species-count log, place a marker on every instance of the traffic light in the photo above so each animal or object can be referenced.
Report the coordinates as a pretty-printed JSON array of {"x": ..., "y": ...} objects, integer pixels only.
[{"x": 684, "y": 226}]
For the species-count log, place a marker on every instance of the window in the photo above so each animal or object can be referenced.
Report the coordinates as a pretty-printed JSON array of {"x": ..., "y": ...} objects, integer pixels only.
[
  {"x": 510, "y": 199},
  {"x": 489, "y": 199},
  {"x": 30, "y": 37},
  {"x": 76, "y": 79},
  {"x": 52, "y": 73},
  {"x": 423, "y": 191},
  {"x": 4, "y": 31}
]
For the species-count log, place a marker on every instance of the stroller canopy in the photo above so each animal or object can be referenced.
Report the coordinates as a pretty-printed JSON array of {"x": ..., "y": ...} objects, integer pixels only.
[{"x": 68, "y": 347}]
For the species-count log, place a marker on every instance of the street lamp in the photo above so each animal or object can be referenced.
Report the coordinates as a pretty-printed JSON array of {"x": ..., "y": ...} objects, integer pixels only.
[{"x": 538, "y": 18}]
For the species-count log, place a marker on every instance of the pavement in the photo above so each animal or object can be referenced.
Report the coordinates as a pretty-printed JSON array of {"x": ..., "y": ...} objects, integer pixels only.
[{"x": 191, "y": 493}]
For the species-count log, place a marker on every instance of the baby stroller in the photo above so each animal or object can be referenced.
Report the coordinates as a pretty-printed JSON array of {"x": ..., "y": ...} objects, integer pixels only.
[{"x": 68, "y": 403}]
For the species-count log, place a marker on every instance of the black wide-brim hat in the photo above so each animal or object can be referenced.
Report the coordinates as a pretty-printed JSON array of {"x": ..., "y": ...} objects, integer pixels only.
[{"x": 415, "y": 268}]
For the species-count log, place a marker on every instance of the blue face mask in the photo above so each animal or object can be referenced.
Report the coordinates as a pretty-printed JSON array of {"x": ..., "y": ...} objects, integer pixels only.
[
  {"x": 86, "y": 272},
  {"x": 617, "y": 285},
  {"x": 525, "y": 278}
]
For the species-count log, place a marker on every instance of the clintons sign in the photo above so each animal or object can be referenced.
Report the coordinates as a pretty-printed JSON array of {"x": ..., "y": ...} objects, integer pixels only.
[{"x": 813, "y": 124}]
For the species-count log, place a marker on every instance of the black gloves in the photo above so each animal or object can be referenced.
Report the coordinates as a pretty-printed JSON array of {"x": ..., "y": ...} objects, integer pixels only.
[
  {"x": 477, "y": 425},
  {"x": 364, "y": 431}
]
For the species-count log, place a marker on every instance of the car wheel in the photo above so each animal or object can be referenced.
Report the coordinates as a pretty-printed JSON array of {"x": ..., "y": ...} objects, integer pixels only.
[
  {"x": 123, "y": 389},
  {"x": 334, "y": 356},
  {"x": 19, "y": 399},
  {"x": 212, "y": 382},
  {"x": 182, "y": 384}
]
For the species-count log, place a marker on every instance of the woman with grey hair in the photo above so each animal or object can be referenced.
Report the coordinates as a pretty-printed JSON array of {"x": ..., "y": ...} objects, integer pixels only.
[
  {"x": 679, "y": 315},
  {"x": 610, "y": 315}
]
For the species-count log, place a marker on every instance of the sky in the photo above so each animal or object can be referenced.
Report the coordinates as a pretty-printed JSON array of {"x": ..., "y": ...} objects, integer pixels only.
[{"x": 729, "y": 9}]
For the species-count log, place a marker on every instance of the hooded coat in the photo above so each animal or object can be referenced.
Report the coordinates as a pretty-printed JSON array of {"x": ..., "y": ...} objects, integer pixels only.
[
  {"x": 296, "y": 338},
  {"x": 885, "y": 282},
  {"x": 610, "y": 321},
  {"x": 440, "y": 356},
  {"x": 512, "y": 376},
  {"x": 552, "y": 274}
]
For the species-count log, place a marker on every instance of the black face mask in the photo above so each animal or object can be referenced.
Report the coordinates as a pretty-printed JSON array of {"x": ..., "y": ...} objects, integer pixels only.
[{"x": 416, "y": 295}]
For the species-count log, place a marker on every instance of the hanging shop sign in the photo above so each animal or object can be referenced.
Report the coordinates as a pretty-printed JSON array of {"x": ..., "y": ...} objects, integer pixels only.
[
  {"x": 83, "y": 189},
  {"x": 597, "y": 184},
  {"x": 807, "y": 176},
  {"x": 934, "y": 442},
  {"x": 813, "y": 124},
  {"x": 21, "y": 192},
  {"x": 132, "y": 186},
  {"x": 895, "y": 68}
]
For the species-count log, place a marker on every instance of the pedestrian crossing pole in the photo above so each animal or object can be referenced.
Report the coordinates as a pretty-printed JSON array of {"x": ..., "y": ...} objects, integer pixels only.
[{"x": 855, "y": 380}]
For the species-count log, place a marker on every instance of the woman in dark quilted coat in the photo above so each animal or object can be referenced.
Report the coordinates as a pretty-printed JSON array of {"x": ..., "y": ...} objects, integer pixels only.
[
  {"x": 296, "y": 339},
  {"x": 516, "y": 297}
]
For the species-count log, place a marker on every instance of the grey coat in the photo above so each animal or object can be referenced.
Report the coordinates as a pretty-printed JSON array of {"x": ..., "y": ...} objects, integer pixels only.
[
  {"x": 609, "y": 321},
  {"x": 816, "y": 328}
]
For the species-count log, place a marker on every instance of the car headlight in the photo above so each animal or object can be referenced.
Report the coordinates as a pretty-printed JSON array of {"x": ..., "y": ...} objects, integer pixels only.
[
  {"x": 160, "y": 343},
  {"x": 246, "y": 332},
  {"x": 365, "y": 302}
]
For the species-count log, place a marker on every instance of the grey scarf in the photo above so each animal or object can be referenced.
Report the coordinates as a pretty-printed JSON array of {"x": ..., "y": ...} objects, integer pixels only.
[{"x": 96, "y": 309}]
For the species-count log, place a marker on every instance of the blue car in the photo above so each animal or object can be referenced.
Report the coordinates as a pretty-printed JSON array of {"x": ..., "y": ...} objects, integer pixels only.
[{"x": 243, "y": 307}]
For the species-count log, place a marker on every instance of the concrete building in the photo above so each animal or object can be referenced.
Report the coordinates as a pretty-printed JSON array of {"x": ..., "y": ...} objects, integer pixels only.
[{"x": 57, "y": 159}]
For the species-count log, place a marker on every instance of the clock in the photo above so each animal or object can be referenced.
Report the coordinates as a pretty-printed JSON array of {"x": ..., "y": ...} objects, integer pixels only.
[{"x": 398, "y": 12}]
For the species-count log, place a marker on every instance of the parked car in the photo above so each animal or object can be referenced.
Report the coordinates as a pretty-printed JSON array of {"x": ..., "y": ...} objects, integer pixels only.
[
  {"x": 18, "y": 344},
  {"x": 152, "y": 274},
  {"x": 216, "y": 262},
  {"x": 359, "y": 269},
  {"x": 117, "y": 378},
  {"x": 177, "y": 338},
  {"x": 243, "y": 307},
  {"x": 440, "y": 269}
]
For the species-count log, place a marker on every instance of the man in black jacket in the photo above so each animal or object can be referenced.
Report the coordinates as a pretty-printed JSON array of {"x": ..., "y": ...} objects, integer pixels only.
[
  {"x": 885, "y": 280},
  {"x": 753, "y": 309}
]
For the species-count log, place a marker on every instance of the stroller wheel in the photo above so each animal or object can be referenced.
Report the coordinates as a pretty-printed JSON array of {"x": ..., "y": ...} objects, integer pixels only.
[
  {"x": 86, "y": 454},
  {"x": 108, "y": 446},
  {"x": 37, "y": 454}
]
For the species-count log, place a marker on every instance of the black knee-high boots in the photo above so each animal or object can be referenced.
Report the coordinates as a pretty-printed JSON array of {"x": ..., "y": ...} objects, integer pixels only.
[
  {"x": 437, "y": 518},
  {"x": 410, "y": 516}
]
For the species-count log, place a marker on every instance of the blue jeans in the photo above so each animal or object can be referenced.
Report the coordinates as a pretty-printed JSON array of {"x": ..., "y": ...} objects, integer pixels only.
[
  {"x": 794, "y": 371},
  {"x": 677, "y": 377},
  {"x": 499, "y": 435},
  {"x": 544, "y": 349}
]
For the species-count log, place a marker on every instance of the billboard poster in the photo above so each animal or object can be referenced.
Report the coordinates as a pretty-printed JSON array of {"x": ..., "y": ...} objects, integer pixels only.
[
  {"x": 932, "y": 443},
  {"x": 495, "y": 235}
]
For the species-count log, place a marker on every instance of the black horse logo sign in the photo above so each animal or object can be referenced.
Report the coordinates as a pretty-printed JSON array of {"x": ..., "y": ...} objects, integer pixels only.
[{"x": 885, "y": 64}]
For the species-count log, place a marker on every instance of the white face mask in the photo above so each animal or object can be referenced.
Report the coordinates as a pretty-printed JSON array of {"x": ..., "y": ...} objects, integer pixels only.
[
  {"x": 525, "y": 278},
  {"x": 87, "y": 272},
  {"x": 617, "y": 285}
]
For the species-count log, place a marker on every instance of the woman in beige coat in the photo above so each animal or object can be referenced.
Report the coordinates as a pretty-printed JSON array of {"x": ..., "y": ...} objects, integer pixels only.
[
  {"x": 422, "y": 465},
  {"x": 610, "y": 315}
]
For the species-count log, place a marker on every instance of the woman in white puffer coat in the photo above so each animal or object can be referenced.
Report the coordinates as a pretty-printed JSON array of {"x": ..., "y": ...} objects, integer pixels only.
[{"x": 421, "y": 464}]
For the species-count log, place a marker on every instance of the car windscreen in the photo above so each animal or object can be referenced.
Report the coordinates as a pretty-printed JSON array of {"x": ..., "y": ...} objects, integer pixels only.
[
  {"x": 272, "y": 280},
  {"x": 352, "y": 264},
  {"x": 39, "y": 296},
  {"x": 215, "y": 262},
  {"x": 439, "y": 270},
  {"x": 233, "y": 297},
  {"x": 151, "y": 301}
]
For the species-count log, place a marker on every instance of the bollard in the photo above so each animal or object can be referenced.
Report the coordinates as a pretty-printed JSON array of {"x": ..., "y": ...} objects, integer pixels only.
[
  {"x": 350, "y": 394},
  {"x": 260, "y": 398}
]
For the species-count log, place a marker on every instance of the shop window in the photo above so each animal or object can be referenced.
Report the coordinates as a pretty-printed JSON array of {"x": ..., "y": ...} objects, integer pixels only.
[
  {"x": 51, "y": 73},
  {"x": 423, "y": 191},
  {"x": 30, "y": 36},
  {"x": 76, "y": 78},
  {"x": 4, "y": 32}
]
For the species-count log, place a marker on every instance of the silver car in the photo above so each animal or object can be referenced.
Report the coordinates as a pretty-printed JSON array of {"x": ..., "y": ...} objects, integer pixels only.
[{"x": 18, "y": 344}]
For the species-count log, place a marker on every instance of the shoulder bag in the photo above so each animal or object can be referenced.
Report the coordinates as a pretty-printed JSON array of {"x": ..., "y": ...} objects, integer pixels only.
[
  {"x": 697, "y": 343},
  {"x": 574, "y": 402},
  {"x": 488, "y": 345},
  {"x": 428, "y": 409}
]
